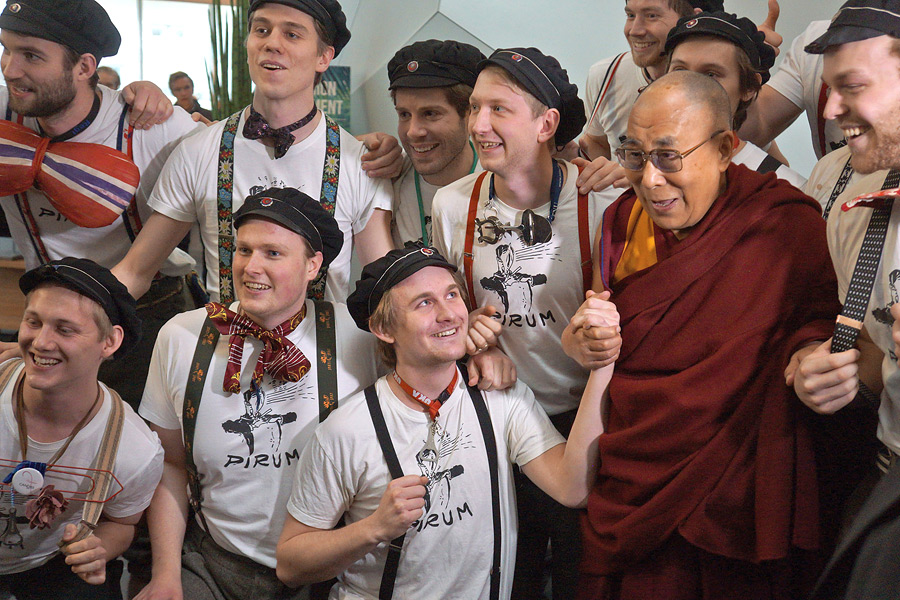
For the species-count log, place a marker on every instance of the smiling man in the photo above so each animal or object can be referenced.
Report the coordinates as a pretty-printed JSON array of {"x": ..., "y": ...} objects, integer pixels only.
[
  {"x": 54, "y": 412},
  {"x": 430, "y": 84},
  {"x": 444, "y": 490},
  {"x": 280, "y": 140},
  {"x": 51, "y": 49},
  {"x": 862, "y": 68},
  {"x": 267, "y": 369},
  {"x": 707, "y": 480},
  {"x": 613, "y": 84},
  {"x": 521, "y": 234}
]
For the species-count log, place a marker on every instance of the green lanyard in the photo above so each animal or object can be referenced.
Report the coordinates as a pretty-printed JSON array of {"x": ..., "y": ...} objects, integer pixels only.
[{"x": 419, "y": 193}]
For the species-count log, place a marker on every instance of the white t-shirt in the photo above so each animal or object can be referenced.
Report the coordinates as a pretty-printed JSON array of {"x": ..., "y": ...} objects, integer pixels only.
[
  {"x": 799, "y": 79},
  {"x": 187, "y": 190},
  {"x": 845, "y": 235},
  {"x": 611, "y": 119},
  {"x": 244, "y": 446},
  {"x": 138, "y": 467},
  {"x": 535, "y": 290},
  {"x": 752, "y": 157},
  {"x": 825, "y": 175},
  {"x": 104, "y": 245},
  {"x": 406, "y": 222},
  {"x": 448, "y": 552}
]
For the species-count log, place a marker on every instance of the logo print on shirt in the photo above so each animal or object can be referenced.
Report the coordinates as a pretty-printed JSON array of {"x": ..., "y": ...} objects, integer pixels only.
[
  {"x": 509, "y": 277},
  {"x": 883, "y": 314},
  {"x": 258, "y": 419}
]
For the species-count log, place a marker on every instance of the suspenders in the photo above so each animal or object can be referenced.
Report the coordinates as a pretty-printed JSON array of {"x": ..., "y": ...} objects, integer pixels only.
[
  {"x": 193, "y": 391},
  {"x": 392, "y": 561},
  {"x": 331, "y": 171},
  {"x": 584, "y": 240},
  {"x": 605, "y": 85},
  {"x": 850, "y": 321}
]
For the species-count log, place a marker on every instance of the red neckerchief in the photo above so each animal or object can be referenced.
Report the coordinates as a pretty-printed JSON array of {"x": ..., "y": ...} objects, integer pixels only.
[
  {"x": 433, "y": 406},
  {"x": 280, "y": 357}
]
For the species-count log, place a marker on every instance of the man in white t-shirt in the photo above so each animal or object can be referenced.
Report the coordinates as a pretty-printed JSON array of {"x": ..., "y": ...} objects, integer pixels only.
[
  {"x": 430, "y": 84},
  {"x": 54, "y": 412},
  {"x": 433, "y": 475},
  {"x": 731, "y": 50},
  {"x": 57, "y": 97},
  {"x": 267, "y": 369},
  {"x": 613, "y": 84},
  {"x": 862, "y": 68},
  {"x": 521, "y": 235},
  {"x": 280, "y": 140}
]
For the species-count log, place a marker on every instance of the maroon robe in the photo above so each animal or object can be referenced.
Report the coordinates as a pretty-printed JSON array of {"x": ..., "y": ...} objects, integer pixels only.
[{"x": 702, "y": 436}]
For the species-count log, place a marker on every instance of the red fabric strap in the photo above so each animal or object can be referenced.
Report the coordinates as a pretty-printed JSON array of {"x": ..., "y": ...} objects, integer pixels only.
[
  {"x": 433, "y": 406},
  {"x": 468, "y": 256}
]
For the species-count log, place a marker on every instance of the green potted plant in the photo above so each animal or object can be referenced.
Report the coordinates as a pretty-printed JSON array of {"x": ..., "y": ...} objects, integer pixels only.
[{"x": 229, "y": 74}]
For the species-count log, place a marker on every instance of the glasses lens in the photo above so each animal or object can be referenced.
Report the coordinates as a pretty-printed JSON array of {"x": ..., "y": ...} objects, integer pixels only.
[
  {"x": 633, "y": 160},
  {"x": 667, "y": 161}
]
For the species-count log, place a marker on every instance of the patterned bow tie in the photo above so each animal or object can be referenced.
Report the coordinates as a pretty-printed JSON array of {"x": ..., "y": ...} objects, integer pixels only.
[
  {"x": 256, "y": 127},
  {"x": 280, "y": 358},
  {"x": 89, "y": 184}
]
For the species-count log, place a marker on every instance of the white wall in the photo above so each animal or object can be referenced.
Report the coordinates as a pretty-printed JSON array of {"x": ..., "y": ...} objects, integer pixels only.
[{"x": 577, "y": 32}]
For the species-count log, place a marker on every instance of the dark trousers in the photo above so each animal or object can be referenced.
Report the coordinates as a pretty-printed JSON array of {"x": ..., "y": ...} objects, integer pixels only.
[
  {"x": 209, "y": 572},
  {"x": 54, "y": 580},
  {"x": 541, "y": 520}
]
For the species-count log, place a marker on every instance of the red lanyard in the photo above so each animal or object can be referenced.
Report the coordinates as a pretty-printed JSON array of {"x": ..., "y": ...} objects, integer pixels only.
[{"x": 433, "y": 406}]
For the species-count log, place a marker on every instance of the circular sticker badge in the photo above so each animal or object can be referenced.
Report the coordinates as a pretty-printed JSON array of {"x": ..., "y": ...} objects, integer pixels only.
[
  {"x": 412, "y": 66},
  {"x": 27, "y": 481}
]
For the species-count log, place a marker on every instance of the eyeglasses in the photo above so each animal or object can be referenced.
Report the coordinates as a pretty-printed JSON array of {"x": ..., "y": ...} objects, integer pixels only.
[{"x": 667, "y": 161}]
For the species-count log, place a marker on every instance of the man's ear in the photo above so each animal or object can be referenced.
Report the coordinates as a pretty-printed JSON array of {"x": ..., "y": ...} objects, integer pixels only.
[
  {"x": 382, "y": 335},
  {"x": 751, "y": 95},
  {"x": 325, "y": 59},
  {"x": 549, "y": 124},
  {"x": 725, "y": 148},
  {"x": 113, "y": 341},
  {"x": 85, "y": 67},
  {"x": 313, "y": 264}
]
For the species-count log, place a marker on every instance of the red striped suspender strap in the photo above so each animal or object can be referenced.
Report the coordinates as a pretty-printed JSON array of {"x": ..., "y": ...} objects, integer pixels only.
[
  {"x": 605, "y": 85},
  {"x": 584, "y": 241},
  {"x": 820, "y": 118},
  {"x": 468, "y": 255}
]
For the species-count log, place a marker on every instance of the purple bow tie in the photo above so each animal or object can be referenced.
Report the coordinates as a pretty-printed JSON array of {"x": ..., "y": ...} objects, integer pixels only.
[{"x": 256, "y": 127}]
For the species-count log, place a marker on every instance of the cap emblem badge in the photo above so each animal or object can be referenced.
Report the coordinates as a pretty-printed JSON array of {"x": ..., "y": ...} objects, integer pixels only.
[
  {"x": 412, "y": 66},
  {"x": 690, "y": 23},
  {"x": 426, "y": 251},
  {"x": 14, "y": 8},
  {"x": 516, "y": 57},
  {"x": 265, "y": 202}
]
